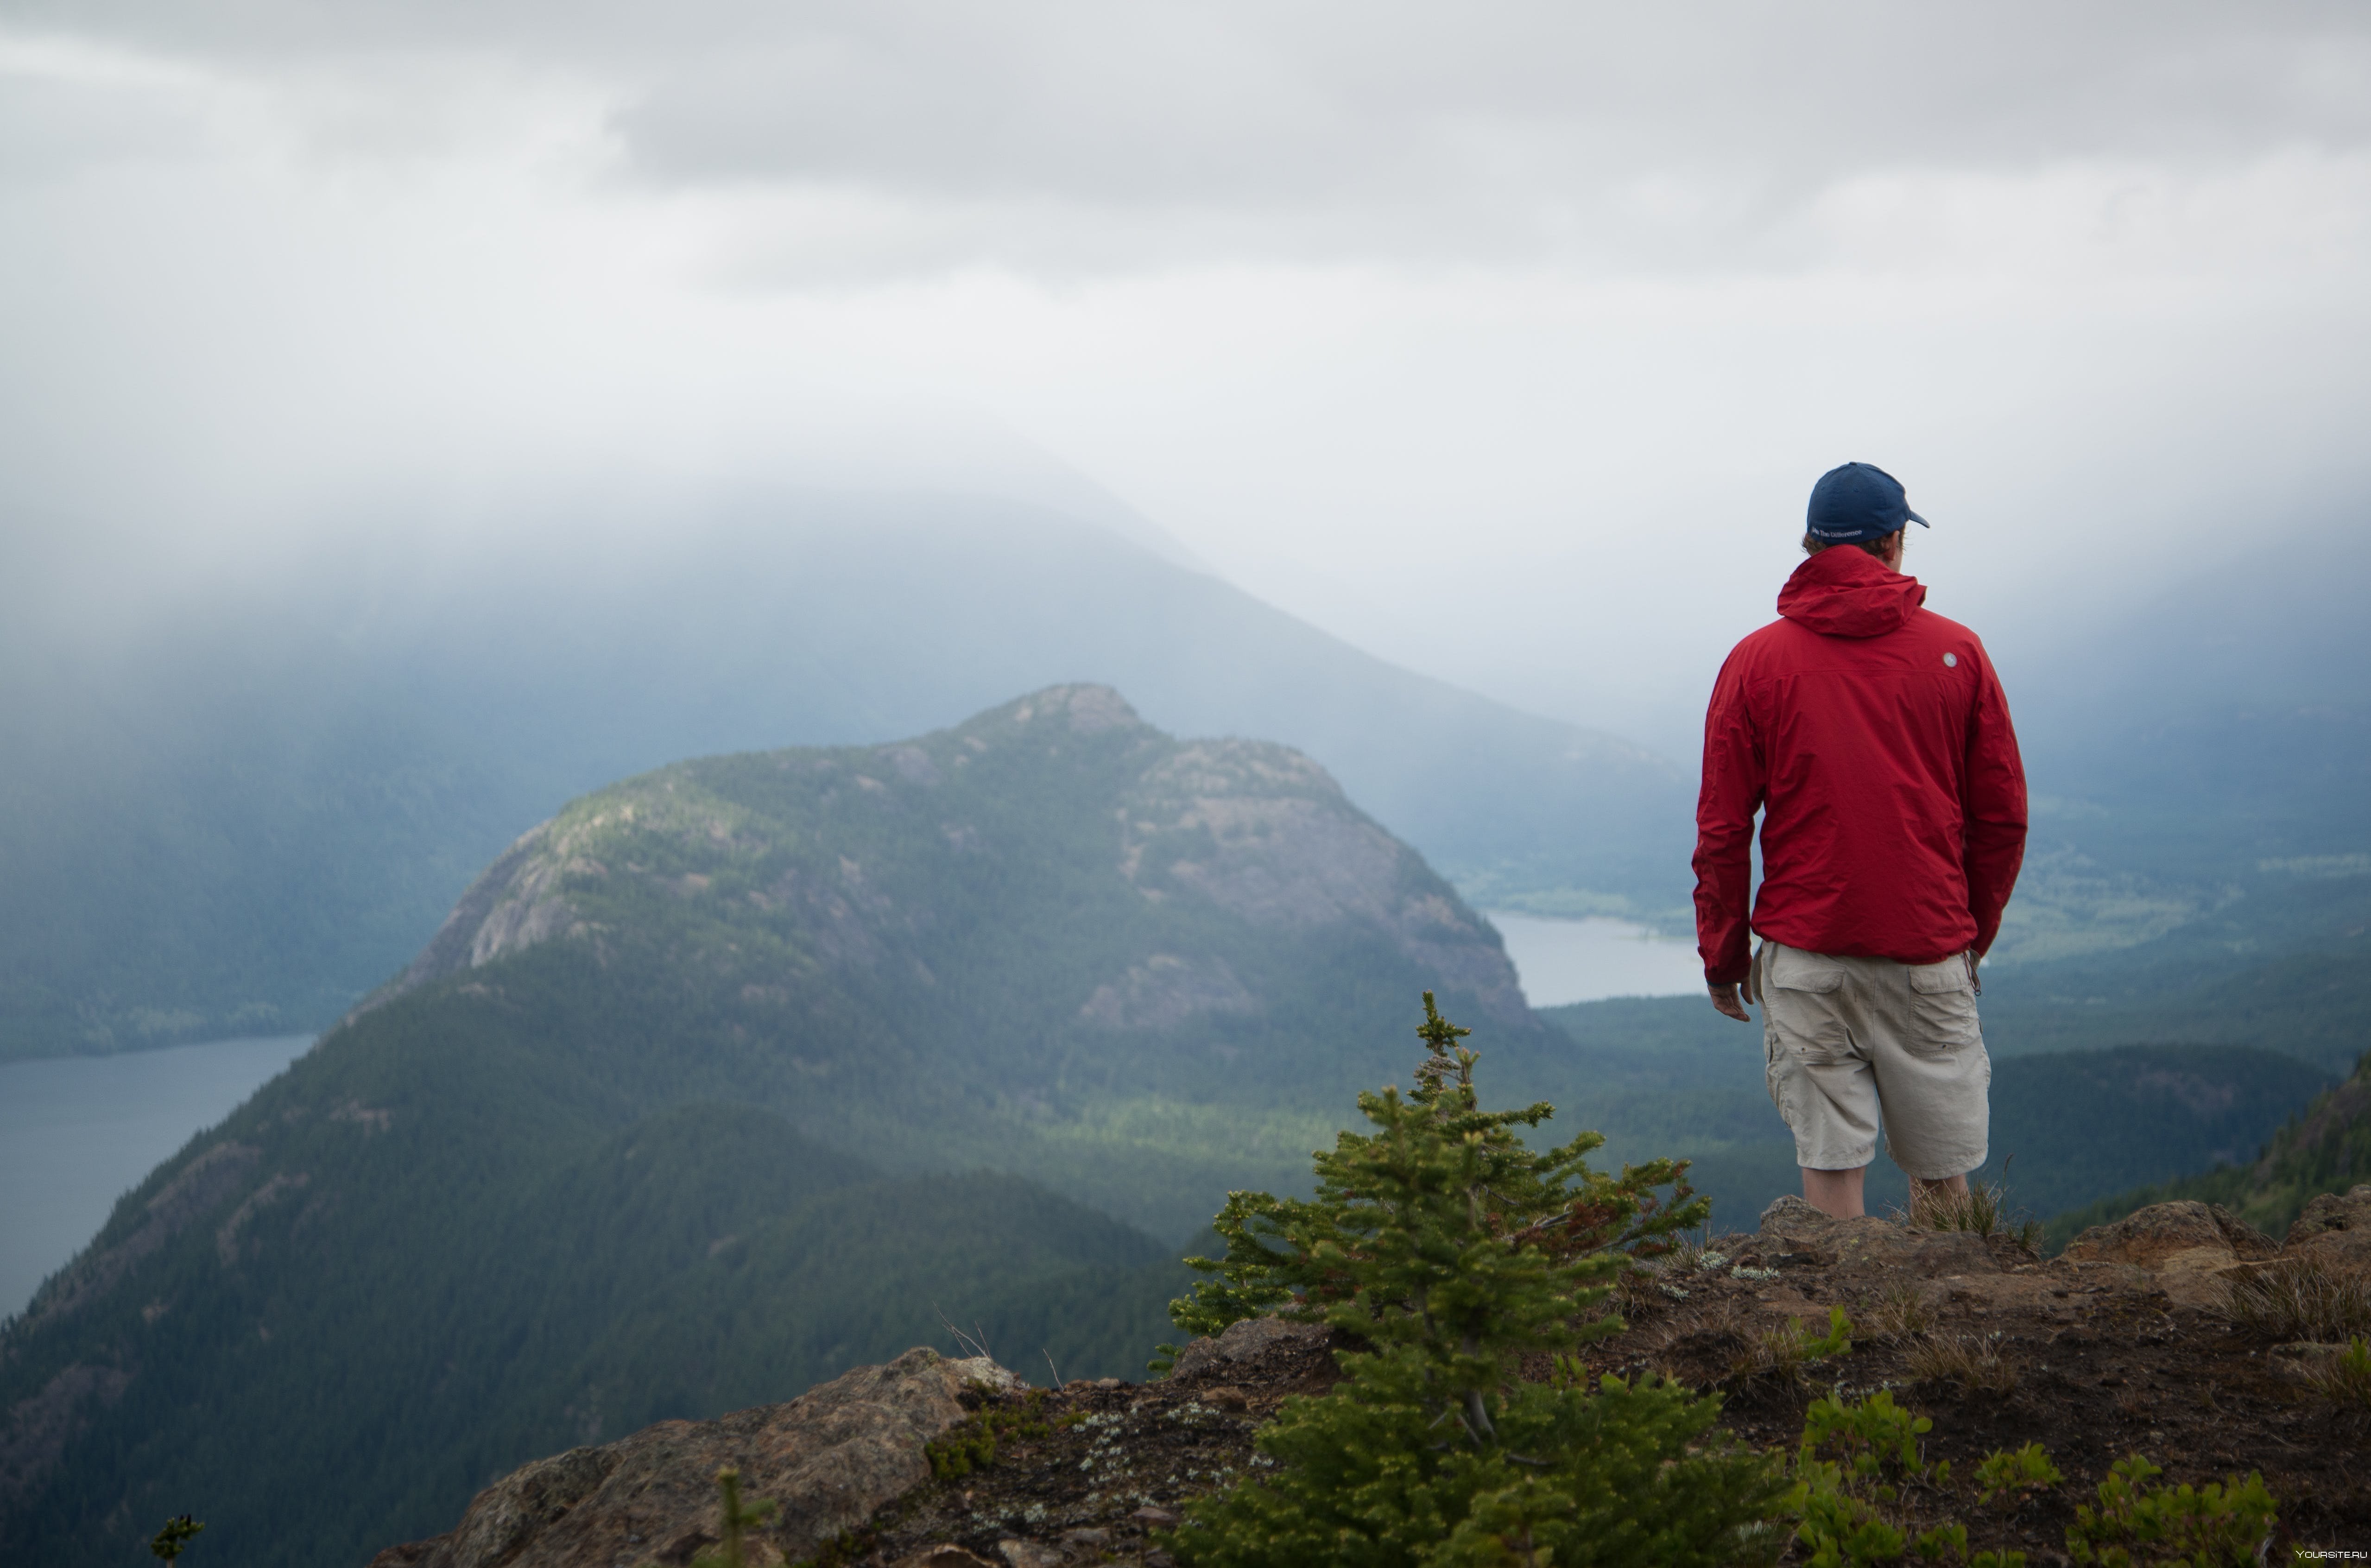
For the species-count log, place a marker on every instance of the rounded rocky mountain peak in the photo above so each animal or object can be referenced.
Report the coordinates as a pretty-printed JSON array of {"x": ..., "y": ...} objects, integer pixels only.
[
  {"x": 1090, "y": 709},
  {"x": 850, "y": 857}
]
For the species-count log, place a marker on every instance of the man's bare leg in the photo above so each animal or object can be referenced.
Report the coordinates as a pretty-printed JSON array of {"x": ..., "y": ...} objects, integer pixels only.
[
  {"x": 1835, "y": 1193},
  {"x": 1949, "y": 1186}
]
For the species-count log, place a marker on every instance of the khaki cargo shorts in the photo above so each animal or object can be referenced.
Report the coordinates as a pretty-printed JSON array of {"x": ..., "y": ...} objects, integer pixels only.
[{"x": 1847, "y": 1036}]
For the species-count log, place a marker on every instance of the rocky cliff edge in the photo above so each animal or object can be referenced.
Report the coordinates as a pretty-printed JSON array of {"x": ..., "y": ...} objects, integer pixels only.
[{"x": 2126, "y": 1343}]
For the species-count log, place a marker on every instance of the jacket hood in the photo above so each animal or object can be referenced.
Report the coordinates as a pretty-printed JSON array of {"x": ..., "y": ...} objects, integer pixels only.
[{"x": 1843, "y": 592}]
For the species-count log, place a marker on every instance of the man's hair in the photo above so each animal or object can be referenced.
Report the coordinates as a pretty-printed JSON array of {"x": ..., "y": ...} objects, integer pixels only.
[{"x": 1813, "y": 544}]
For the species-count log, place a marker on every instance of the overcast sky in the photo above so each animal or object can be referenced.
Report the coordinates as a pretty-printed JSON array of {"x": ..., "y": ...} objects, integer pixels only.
[{"x": 1505, "y": 339}]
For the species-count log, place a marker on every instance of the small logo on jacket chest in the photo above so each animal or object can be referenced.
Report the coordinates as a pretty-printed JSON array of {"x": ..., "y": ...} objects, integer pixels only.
[{"x": 1950, "y": 661}]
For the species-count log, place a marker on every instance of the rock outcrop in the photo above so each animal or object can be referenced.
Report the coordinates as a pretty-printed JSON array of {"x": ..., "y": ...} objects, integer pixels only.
[
  {"x": 1245, "y": 1342},
  {"x": 2185, "y": 1244},
  {"x": 2336, "y": 1226},
  {"x": 827, "y": 1460}
]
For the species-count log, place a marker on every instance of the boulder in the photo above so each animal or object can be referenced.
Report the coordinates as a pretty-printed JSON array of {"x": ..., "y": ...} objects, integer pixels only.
[
  {"x": 1787, "y": 1209},
  {"x": 1247, "y": 1341},
  {"x": 1793, "y": 1232},
  {"x": 1030, "y": 1554},
  {"x": 2185, "y": 1245},
  {"x": 828, "y": 1458},
  {"x": 2335, "y": 1227}
]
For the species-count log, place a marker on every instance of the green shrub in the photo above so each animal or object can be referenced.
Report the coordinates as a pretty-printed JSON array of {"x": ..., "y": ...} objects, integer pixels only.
[
  {"x": 1453, "y": 1249},
  {"x": 971, "y": 1443},
  {"x": 1782, "y": 1350},
  {"x": 2016, "y": 1474},
  {"x": 2138, "y": 1522},
  {"x": 2346, "y": 1377},
  {"x": 1849, "y": 1473},
  {"x": 1856, "y": 1464},
  {"x": 1837, "y": 1341},
  {"x": 1859, "y": 1463}
]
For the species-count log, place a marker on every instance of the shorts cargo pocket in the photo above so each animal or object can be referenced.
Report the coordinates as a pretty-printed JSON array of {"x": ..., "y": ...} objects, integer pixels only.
[
  {"x": 1942, "y": 1007},
  {"x": 1799, "y": 1006},
  {"x": 1789, "y": 969}
]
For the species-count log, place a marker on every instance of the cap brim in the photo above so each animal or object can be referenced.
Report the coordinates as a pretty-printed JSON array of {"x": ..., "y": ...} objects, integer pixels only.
[{"x": 1916, "y": 518}]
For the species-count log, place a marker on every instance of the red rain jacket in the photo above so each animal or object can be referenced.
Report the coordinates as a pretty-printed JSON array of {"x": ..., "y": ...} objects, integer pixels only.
[{"x": 1873, "y": 735}]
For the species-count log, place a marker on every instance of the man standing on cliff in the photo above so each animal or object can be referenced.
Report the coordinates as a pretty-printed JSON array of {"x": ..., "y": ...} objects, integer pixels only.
[{"x": 1873, "y": 737}]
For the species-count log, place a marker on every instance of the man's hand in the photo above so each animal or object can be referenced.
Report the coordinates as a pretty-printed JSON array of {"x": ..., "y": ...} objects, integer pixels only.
[{"x": 1725, "y": 997}]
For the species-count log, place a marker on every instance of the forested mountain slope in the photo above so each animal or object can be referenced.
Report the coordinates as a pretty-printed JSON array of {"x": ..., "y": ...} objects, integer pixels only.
[
  {"x": 1670, "y": 1075},
  {"x": 2326, "y": 1148},
  {"x": 675, "y": 1115}
]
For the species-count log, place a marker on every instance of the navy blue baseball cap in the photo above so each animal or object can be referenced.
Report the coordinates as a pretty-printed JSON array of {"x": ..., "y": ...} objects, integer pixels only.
[{"x": 1858, "y": 501}]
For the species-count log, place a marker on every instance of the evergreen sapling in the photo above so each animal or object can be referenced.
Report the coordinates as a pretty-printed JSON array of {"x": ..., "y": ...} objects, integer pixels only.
[
  {"x": 175, "y": 1536},
  {"x": 735, "y": 1520},
  {"x": 1451, "y": 1249}
]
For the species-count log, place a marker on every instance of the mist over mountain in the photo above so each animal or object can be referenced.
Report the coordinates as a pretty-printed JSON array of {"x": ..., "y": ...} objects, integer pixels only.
[
  {"x": 2240, "y": 699},
  {"x": 239, "y": 814}
]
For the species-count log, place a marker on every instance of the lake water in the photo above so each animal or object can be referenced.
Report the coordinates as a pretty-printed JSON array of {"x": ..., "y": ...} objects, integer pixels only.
[
  {"x": 78, "y": 1131},
  {"x": 1586, "y": 960}
]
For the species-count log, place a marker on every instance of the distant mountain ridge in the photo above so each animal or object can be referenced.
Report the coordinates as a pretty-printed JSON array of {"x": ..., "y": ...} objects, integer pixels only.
[
  {"x": 241, "y": 816},
  {"x": 732, "y": 1076}
]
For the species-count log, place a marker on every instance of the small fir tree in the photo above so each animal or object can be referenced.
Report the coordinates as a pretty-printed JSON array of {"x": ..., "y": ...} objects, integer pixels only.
[
  {"x": 174, "y": 1537},
  {"x": 735, "y": 1520},
  {"x": 1296, "y": 1257},
  {"x": 1452, "y": 1250}
]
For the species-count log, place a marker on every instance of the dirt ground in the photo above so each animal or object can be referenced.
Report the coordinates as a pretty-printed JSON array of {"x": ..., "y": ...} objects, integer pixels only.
[
  {"x": 2097, "y": 1361},
  {"x": 2094, "y": 1358}
]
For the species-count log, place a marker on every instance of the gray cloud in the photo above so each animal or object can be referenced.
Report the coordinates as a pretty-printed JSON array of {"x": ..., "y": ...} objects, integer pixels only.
[
  {"x": 1480, "y": 304},
  {"x": 1603, "y": 131}
]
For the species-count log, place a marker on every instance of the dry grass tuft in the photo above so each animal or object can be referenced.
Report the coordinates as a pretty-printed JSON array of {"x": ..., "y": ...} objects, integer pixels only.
[
  {"x": 1640, "y": 1292},
  {"x": 1970, "y": 1362},
  {"x": 1982, "y": 1209},
  {"x": 1898, "y": 1314},
  {"x": 1774, "y": 1351},
  {"x": 2301, "y": 1298},
  {"x": 1692, "y": 1254},
  {"x": 2345, "y": 1377},
  {"x": 1724, "y": 1322}
]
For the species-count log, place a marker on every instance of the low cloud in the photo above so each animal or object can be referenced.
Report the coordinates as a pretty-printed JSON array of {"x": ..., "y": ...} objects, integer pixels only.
[{"x": 1543, "y": 316}]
